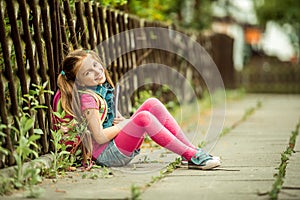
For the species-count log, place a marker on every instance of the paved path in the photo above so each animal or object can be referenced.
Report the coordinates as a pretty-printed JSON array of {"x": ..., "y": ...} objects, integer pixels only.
[{"x": 250, "y": 152}]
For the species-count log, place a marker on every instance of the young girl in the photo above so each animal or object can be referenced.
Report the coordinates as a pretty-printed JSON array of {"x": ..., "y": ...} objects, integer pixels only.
[{"x": 86, "y": 92}]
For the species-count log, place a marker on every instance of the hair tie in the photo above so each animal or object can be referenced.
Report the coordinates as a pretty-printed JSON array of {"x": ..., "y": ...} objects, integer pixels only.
[{"x": 63, "y": 72}]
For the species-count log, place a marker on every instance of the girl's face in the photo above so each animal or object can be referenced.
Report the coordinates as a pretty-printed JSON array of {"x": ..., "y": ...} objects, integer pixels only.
[{"x": 91, "y": 72}]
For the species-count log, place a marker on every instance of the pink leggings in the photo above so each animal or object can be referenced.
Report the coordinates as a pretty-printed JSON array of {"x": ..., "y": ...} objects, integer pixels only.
[{"x": 155, "y": 120}]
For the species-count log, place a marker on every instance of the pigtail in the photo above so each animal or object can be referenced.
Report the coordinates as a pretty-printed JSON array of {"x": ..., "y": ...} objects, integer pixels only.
[
  {"x": 82, "y": 129},
  {"x": 66, "y": 89}
]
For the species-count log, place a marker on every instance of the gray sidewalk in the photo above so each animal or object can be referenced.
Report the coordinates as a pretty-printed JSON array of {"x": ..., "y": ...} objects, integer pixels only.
[{"x": 250, "y": 154}]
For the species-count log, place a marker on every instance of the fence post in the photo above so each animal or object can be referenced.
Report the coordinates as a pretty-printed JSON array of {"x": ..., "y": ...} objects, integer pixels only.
[{"x": 222, "y": 53}]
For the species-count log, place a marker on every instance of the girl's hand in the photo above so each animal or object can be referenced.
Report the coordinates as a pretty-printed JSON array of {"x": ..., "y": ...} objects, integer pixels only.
[{"x": 118, "y": 119}]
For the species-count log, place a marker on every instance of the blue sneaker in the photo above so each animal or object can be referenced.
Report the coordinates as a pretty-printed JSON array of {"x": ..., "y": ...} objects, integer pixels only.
[
  {"x": 184, "y": 161},
  {"x": 203, "y": 161}
]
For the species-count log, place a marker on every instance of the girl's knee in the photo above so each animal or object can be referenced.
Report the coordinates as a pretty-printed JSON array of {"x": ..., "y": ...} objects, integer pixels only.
[
  {"x": 153, "y": 100},
  {"x": 143, "y": 118}
]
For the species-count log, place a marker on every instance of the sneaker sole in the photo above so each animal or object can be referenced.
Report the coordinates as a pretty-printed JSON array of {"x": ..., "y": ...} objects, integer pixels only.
[
  {"x": 185, "y": 162},
  {"x": 210, "y": 164}
]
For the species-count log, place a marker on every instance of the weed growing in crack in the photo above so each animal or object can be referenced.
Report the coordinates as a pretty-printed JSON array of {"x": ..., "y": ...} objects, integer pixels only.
[{"x": 279, "y": 177}]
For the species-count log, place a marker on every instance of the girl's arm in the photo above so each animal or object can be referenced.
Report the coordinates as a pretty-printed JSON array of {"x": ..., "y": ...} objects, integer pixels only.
[{"x": 95, "y": 126}]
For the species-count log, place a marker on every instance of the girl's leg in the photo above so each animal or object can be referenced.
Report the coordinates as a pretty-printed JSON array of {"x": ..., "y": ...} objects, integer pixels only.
[
  {"x": 132, "y": 134},
  {"x": 156, "y": 108}
]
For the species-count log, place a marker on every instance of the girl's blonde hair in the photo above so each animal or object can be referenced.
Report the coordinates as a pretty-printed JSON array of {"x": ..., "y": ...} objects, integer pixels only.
[{"x": 66, "y": 80}]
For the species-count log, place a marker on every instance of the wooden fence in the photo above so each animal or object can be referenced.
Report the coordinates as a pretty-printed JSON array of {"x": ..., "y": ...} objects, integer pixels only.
[
  {"x": 264, "y": 74},
  {"x": 35, "y": 37}
]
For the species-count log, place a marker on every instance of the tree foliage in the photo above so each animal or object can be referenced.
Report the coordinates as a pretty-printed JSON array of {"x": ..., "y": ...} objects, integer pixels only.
[
  {"x": 159, "y": 10},
  {"x": 113, "y": 3},
  {"x": 282, "y": 12},
  {"x": 287, "y": 11},
  {"x": 191, "y": 14}
]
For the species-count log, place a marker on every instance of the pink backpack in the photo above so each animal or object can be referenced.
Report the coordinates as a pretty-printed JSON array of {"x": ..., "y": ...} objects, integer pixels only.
[
  {"x": 56, "y": 121},
  {"x": 57, "y": 107}
]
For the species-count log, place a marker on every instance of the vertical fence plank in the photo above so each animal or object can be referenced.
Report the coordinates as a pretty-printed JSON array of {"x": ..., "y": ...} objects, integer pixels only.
[
  {"x": 8, "y": 144},
  {"x": 5, "y": 142},
  {"x": 48, "y": 43},
  {"x": 81, "y": 25},
  {"x": 137, "y": 54},
  {"x": 29, "y": 56},
  {"x": 133, "y": 81},
  {"x": 123, "y": 48},
  {"x": 116, "y": 64},
  {"x": 90, "y": 29},
  {"x": 110, "y": 51},
  {"x": 59, "y": 36},
  {"x": 65, "y": 43},
  {"x": 54, "y": 31},
  {"x": 130, "y": 25},
  {"x": 43, "y": 74},
  {"x": 102, "y": 23},
  {"x": 96, "y": 23},
  {"x": 28, "y": 42},
  {"x": 70, "y": 18},
  {"x": 125, "y": 61},
  {"x": 104, "y": 52},
  {"x": 154, "y": 58},
  {"x": 18, "y": 50}
]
